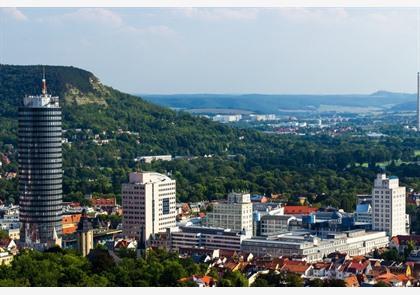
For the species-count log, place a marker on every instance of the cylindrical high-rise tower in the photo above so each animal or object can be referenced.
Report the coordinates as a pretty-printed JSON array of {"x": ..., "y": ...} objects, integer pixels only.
[{"x": 40, "y": 169}]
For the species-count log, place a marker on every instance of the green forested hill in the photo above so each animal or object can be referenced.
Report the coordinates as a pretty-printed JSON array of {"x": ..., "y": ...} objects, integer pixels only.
[
  {"x": 89, "y": 104},
  {"x": 293, "y": 165}
]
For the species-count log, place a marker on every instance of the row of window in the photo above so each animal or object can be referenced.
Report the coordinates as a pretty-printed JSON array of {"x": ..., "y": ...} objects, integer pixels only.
[
  {"x": 40, "y": 187},
  {"x": 44, "y": 116},
  {"x": 36, "y": 166},
  {"x": 40, "y": 140},
  {"x": 41, "y": 201},
  {"x": 34, "y": 129},
  {"x": 56, "y": 159},
  {"x": 24, "y": 146},
  {"x": 38, "y": 111},
  {"x": 34, "y": 210},
  {"x": 40, "y": 124},
  {"x": 31, "y": 194},
  {"x": 40, "y": 135}
]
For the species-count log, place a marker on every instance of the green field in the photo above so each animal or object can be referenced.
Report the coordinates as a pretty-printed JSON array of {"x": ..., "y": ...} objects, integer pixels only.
[{"x": 385, "y": 164}]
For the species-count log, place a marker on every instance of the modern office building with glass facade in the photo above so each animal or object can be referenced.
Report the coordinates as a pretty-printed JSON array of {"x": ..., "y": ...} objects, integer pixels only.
[{"x": 40, "y": 169}]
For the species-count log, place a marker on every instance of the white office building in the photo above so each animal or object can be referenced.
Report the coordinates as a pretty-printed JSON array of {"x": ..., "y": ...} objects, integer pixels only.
[
  {"x": 149, "y": 205},
  {"x": 235, "y": 214},
  {"x": 275, "y": 224},
  {"x": 363, "y": 213},
  {"x": 193, "y": 237},
  {"x": 227, "y": 118},
  {"x": 388, "y": 206},
  {"x": 313, "y": 248}
]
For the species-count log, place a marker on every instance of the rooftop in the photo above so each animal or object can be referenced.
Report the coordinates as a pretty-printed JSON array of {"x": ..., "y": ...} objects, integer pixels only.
[{"x": 148, "y": 177}]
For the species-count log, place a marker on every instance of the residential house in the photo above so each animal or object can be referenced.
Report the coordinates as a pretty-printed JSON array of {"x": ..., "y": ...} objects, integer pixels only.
[
  {"x": 298, "y": 267},
  {"x": 200, "y": 281},
  {"x": 320, "y": 269},
  {"x": 5, "y": 257},
  {"x": 358, "y": 265},
  {"x": 9, "y": 245},
  {"x": 400, "y": 242}
]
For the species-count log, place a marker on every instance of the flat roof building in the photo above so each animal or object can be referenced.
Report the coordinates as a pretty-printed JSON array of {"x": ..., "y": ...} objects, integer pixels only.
[
  {"x": 149, "y": 205},
  {"x": 313, "y": 248},
  {"x": 388, "y": 206},
  {"x": 235, "y": 214},
  {"x": 206, "y": 238}
]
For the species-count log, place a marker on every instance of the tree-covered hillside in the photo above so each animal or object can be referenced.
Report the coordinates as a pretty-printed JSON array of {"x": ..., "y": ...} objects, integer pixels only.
[
  {"x": 106, "y": 130},
  {"x": 88, "y": 104}
]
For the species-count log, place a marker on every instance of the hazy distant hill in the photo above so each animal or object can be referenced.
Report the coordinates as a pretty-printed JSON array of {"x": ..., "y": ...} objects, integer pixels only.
[{"x": 274, "y": 103}]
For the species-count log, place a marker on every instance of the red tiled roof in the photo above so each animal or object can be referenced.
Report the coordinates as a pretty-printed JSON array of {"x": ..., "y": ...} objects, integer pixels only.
[
  {"x": 69, "y": 223},
  {"x": 122, "y": 244},
  {"x": 357, "y": 266},
  {"x": 103, "y": 202},
  {"x": 295, "y": 266},
  {"x": 5, "y": 242},
  {"x": 351, "y": 281},
  {"x": 71, "y": 218},
  {"x": 299, "y": 209},
  {"x": 207, "y": 280}
]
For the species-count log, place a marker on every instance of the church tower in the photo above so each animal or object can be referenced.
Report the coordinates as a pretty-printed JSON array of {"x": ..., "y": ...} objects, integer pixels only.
[{"x": 84, "y": 235}]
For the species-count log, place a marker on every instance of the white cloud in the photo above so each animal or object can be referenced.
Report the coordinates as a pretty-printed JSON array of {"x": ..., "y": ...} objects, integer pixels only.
[
  {"x": 100, "y": 16},
  {"x": 150, "y": 30},
  {"x": 13, "y": 13},
  {"x": 108, "y": 18},
  {"x": 318, "y": 15},
  {"x": 216, "y": 14}
]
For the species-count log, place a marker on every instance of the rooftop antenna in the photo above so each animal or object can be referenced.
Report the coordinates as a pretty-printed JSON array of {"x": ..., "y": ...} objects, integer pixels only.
[{"x": 44, "y": 82}]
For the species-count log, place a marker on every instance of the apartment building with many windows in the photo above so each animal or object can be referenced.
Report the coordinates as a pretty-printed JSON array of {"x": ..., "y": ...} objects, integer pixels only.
[
  {"x": 388, "y": 206},
  {"x": 149, "y": 205},
  {"x": 234, "y": 214}
]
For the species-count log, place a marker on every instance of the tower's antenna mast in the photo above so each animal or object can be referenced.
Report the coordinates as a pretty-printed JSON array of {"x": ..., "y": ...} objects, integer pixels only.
[{"x": 44, "y": 82}]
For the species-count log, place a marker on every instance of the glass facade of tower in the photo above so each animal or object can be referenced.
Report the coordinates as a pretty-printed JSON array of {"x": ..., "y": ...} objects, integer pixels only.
[{"x": 40, "y": 169}]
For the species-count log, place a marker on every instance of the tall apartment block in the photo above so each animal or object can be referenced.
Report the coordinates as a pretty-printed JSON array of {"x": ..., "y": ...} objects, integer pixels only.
[
  {"x": 149, "y": 205},
  {"x": 235, "y": 214},
  {"x": 40, "y": 169},
  {"x": 388, "y": 206}
]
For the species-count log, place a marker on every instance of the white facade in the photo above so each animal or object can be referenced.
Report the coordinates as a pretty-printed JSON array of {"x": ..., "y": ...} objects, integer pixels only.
[
  {"x": 268, "y": 117},
  {"x": 227, "y": 118},
  {"x": 354, "y": 243},
  {"x": 388, "y": 206},
  {"x": 149, "y": 204},
  {"x": 205, "y": 238},
  {"x": 150, "y": 159},
  {"x": 363, "y": 213},
  {"x": 235, "y": 214},
  {"x": 274, "y": 224}
]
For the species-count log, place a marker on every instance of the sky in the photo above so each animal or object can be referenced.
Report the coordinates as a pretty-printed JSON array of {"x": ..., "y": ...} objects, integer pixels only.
[{"x": 222, "y": 50}]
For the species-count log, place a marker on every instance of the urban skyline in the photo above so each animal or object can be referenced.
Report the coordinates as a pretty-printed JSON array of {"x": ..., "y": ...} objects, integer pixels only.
[{"x": 102, "y": 185}]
